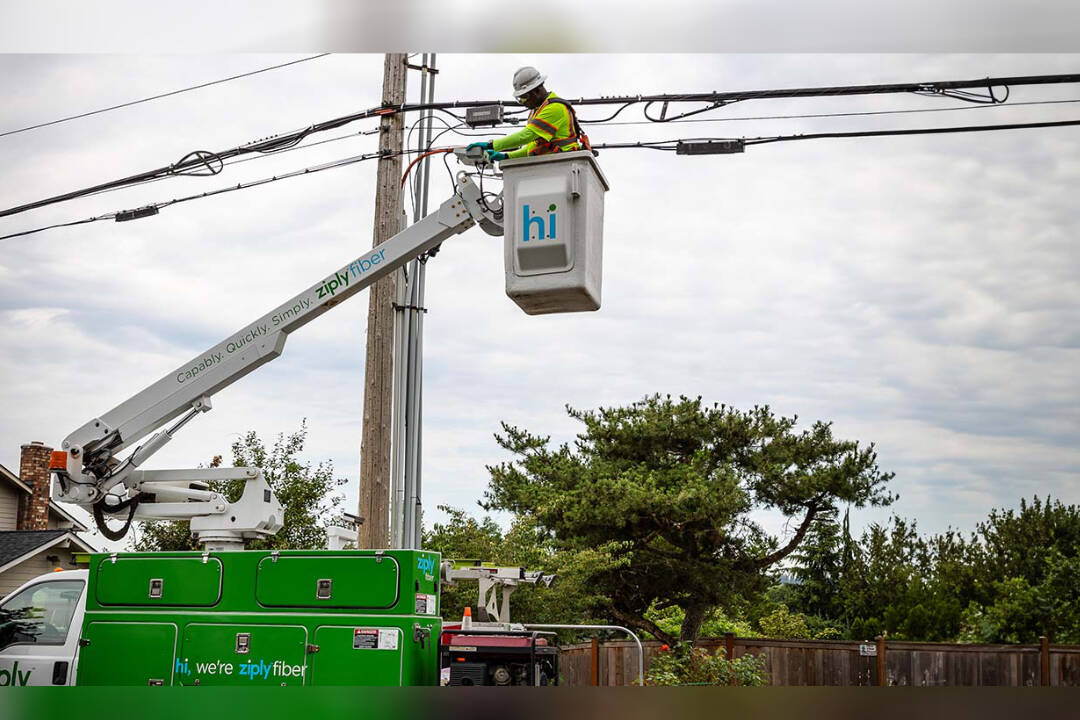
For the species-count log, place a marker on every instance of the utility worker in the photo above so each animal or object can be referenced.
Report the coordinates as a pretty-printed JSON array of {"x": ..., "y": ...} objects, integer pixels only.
[{"x": 552, "y": 126}]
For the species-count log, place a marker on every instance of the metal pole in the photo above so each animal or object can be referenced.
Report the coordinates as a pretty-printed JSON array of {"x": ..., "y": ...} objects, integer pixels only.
[
  {"x": 411, "y": 312},
  {"x": 628, "y": 631},
  {"x": 397, "y": 463},
  {"x": 400, "y": 529},
  {"x": 412, "y": 337},
  {"x": 418, "y": 415},
  {"x": 422, "y": 194},
  {"x": 403, "y": 319},
  {"x": 429, "y": 129}
]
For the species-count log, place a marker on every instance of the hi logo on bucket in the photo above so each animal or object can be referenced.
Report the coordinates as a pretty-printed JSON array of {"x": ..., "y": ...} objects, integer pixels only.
[{"x": 545, "y": 228}]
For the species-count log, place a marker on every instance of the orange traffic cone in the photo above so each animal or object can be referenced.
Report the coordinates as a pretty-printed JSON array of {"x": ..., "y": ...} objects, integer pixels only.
[{"x": 466, "y": 619}]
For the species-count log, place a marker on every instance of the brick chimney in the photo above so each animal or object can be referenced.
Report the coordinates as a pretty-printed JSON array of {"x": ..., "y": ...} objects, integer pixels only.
[{"x": 34, "y": 471}]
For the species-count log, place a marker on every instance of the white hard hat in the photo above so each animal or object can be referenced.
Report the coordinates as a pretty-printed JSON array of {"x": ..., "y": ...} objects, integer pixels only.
[{"x": 526, "y": 79}]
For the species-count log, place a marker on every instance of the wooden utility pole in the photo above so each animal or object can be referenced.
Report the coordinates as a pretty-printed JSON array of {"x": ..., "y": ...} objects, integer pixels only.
[{"x": 374, "y": 505}]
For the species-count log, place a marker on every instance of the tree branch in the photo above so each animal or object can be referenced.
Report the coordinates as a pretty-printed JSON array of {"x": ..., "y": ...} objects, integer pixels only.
[
  {"x": 664, "y": 605},
  {"x": 662, "y": 553},
  {"x": 641, "y": 623},
  {"x": 775, "y": 557}
]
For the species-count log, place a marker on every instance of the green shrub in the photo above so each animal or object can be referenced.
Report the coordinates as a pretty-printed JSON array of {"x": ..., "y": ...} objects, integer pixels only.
[
  {"x": 828, "y": 633},
  {"x": 716, "y": 623},
  {"x": 781, "y": 623},
  {"x": 685, "y": 664}
]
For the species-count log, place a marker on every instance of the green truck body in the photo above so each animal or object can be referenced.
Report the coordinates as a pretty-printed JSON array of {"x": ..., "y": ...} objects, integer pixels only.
[{"x": 349, "y": 617}]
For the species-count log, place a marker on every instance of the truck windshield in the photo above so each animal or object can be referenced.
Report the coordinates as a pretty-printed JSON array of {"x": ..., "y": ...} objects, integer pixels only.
[{"x": 40, "y": 614}]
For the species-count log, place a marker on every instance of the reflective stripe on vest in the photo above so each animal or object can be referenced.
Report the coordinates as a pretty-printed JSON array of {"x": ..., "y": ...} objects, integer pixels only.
[
  {"x": 543, "y": 147},
  {"x": 543, "y": 125}
]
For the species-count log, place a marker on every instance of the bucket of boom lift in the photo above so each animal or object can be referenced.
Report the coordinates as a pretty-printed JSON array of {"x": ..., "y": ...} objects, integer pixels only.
[{"x": 554, "y": 231}]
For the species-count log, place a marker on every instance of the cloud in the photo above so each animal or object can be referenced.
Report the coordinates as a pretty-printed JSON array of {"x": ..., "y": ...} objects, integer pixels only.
[
  {"x": 680, "y": 26},
  {"x": 919, "y": 292}
]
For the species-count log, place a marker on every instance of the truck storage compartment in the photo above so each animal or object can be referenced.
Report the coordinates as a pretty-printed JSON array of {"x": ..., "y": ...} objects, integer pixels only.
[
  {"x": 353, "y": 581},
  {"x": 553, "y": 231},
  {"x": 355, "y": 655},
  {"x": 127, "y": 653},
  {"x": 242, "y": 654},
  {"x": 192, "y": 581}
]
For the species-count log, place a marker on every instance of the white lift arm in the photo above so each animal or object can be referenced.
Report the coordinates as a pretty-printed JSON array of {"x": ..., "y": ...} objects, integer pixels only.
[
  {"x": 87, "y": 467},
  {"x": 497, "y": 584}
]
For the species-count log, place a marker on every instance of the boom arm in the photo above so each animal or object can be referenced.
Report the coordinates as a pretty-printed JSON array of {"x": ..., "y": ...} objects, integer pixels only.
[
  {"x": 90, "y": 467},
  {"x": 491, "y": 578}
]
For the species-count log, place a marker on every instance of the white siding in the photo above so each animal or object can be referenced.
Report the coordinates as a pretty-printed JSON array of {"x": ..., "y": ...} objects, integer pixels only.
[
  {"x": 59, "y": 522},
  {"x": 9, "y": 507},
  {"x": 34, "y": 566}
]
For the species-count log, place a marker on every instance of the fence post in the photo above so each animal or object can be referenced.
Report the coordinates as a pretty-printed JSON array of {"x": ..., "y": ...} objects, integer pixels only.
[
  {"x": 595, "y": 658},
  {"x": 1044, "y": 660},
  {"x": 729, "y": 652},
  {"x": 882, "y": 677}
]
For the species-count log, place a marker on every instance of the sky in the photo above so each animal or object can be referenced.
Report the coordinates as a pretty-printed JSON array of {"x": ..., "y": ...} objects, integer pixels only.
[
  {"x": 598, "y": 25},
  {"x": 918, "y": 292}
]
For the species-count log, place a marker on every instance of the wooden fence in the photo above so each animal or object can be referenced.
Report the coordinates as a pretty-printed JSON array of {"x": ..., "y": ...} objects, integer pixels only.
[{"x": 844, "y": 663}]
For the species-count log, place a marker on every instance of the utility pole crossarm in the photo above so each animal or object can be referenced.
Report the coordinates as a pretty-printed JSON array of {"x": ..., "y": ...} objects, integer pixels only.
[{"x": 91, "y": 465}]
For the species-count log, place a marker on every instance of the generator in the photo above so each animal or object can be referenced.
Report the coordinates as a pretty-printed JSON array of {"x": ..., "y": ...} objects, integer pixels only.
[{"x": 493, "y": 656}]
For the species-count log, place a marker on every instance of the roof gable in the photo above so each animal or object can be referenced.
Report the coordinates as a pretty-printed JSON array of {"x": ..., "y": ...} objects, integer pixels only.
[
  {"x": 13, "y": 479},
  {"x": 16, "y": 545},
  {"x": 54, "y": 507}
]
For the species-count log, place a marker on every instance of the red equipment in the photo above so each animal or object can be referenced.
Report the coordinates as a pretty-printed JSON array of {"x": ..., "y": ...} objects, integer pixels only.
[{"x": 497, "y": 657}]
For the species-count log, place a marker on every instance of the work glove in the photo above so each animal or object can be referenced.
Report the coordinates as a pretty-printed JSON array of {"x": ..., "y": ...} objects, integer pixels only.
[
  {"x": 495, "y": 156},
  {"x": 486, "y": 145}
]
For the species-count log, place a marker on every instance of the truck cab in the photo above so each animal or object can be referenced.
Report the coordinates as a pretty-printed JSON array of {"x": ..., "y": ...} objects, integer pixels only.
[{"x": 40, "y": 625}]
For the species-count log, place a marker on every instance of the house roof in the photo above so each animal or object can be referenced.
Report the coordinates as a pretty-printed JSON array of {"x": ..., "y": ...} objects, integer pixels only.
[
  {"x": 18, "y": 545},
  {"x": 53, "y": 506},
  {"x": 56, "y": 508},
  {"x": 13, "y": 479}
]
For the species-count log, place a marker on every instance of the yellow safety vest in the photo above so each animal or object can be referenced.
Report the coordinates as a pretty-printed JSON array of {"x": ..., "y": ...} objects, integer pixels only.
[{"x": 565, "y": 134}]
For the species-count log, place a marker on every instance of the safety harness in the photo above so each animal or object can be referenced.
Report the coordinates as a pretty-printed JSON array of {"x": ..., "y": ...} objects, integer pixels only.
[{"x": 554, "y": 145}]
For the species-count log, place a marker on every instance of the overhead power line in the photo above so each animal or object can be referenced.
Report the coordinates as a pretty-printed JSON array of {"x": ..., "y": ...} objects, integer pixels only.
[
  {"x": 96, "y": 218},
  {"x": 673, "y": 144},
  {"x": 162, "y": 95},
  {"x": 663, "y": 145},
  {"x": 915, "y": 131},
  {"x": 865, "y": 113},
  {"x": 200, "y": 160},
  {"x": 152, "y": 208},
  {"x": 465, "y": 131},
  {"x": 237, "y": 161}
]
